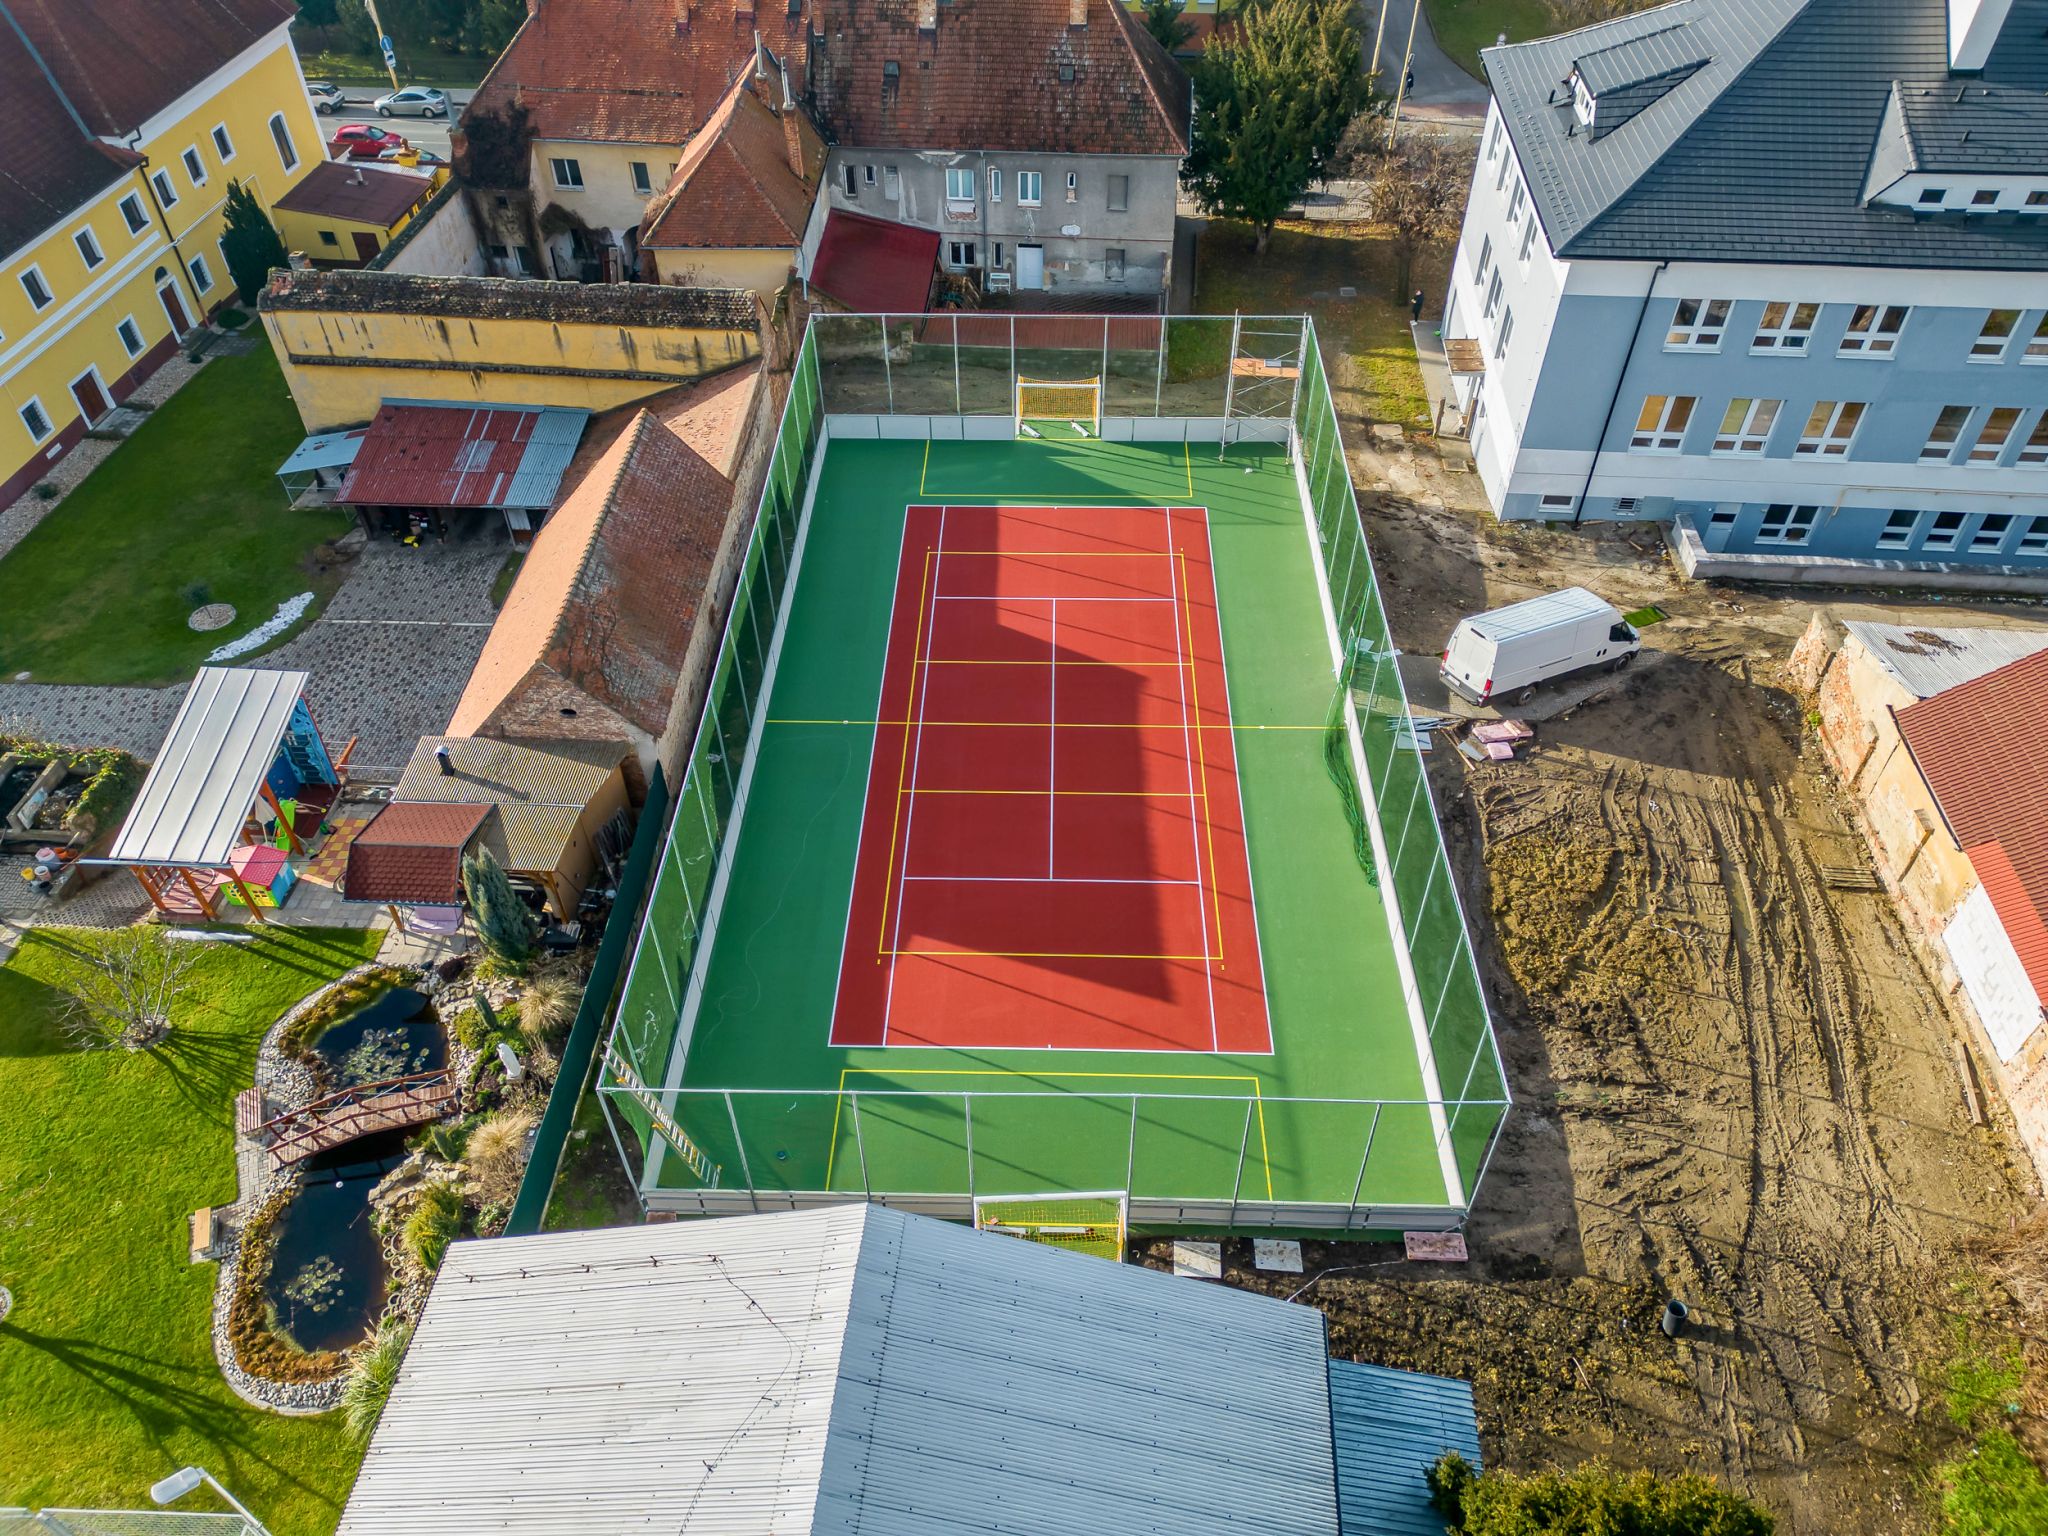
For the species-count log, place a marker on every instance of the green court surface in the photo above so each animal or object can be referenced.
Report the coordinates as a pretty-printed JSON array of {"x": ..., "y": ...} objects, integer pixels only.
[{"x": 805, "y": 1116}]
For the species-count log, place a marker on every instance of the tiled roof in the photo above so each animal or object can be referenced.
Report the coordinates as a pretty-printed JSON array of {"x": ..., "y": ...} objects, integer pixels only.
[
  {"x": 339, "y": 189},
  {"x": 122, "y": 61},
  {"x": 608, "y": 596},
  {"x": 874, "y": 266},
  {"x": 1981, "y": 750},
  {"x": 735, "y": 188},
  {"x": 997, "y": 74},
  {"x": 412, "y": 853},
  {"x": 1762, "y": 153},
  {"x": 48, "y": 166},
  {"x": 492, "y": 298},
  {"x": 540, "y": 788},
  {"x": 633, "y": 71}
]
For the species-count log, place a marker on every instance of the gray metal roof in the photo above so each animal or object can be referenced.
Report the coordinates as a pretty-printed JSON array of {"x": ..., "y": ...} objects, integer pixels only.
[
  {"x": 1927, "y": 661},
  {"x": 1388, "y": 1428},
  {"x": 1965, "y": 126},
  {"x": 323, "y": 450},
  {"x": 852, "y": 1371},
  {"x": 204, "y": 782},
  {"x": 1763, "y": 152}
]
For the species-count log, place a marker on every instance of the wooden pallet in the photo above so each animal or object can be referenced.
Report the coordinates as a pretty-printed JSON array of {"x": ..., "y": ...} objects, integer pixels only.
[{"x": 1850, "y": 877}]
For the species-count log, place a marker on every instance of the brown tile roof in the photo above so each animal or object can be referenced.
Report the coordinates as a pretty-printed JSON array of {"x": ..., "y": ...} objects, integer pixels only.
[
  {"x": 989, "y": 75},
  {"x": 412, "y": 853},
  {"x": 338, "y": 189},
  {"x": 608, "y": 596},
  {"x": 709, "y": 416},
  {"x": 47, "y": 166},
  {"x": 633, "y": 71},
  {"x": 121, "y": 61},
  {"x": 735, "y": 188},
  {"x": 1980, "y": 747},
  {"x": 540, "y": 789}
]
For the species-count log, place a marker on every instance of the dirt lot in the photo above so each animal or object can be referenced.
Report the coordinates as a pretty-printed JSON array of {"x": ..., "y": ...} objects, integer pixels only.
[{"x": 1734, "y": 1082}]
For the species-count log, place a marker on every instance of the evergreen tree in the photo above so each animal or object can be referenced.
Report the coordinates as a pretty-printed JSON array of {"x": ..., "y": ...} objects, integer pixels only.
[
  {"x": 251, "y": 243},
  {"x": 502, "y": 919},
  {"x": 1272, "y": 100},
  {"x": 1162, "y": 19}
]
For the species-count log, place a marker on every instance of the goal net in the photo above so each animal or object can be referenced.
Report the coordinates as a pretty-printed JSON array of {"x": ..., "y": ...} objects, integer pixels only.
[
  {"x": 1091, "y": 1224},
  {"x": 1059, "y": 407}
]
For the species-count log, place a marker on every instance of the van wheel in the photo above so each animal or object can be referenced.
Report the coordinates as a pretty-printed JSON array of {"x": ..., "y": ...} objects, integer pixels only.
[
  {"x": 1525, "y": 695},
  {"x": 1621, "y": 661}
]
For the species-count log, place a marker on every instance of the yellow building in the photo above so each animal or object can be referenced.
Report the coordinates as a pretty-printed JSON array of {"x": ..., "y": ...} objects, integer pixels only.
[
  {"x": 346, "y": 212},
  {"x": 126, "y": 121}
]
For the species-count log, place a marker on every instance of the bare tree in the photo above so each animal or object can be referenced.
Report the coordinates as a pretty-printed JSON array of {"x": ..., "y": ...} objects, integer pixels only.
[
  {"x": 131, "y": 982},
  {"x": 1418, "y": 194}
]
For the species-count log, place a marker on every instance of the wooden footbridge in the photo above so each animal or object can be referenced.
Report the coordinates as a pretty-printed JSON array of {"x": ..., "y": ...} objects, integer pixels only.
[{"x": 390, "y": 1105}]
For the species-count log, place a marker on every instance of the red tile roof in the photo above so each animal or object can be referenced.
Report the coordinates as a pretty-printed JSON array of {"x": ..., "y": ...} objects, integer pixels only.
[
  {"x": 735, "y": 188},
  {"x": 412, "y": 852},
  {"x": 463, "y": 456},
  {"x": 633, "y": 71},
  {"x": 122, "y": 61},
  {"x": 337, "y": 189},
  {"x": 873, "y": 266},
  {"x": 47, "y": 166},
  {"x": 1980, "y": 747},
  {"x": 998, "y": 74}
]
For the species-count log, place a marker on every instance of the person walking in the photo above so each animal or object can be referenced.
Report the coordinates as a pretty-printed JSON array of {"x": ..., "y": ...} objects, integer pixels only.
[{"x": 1415, "y": 306}]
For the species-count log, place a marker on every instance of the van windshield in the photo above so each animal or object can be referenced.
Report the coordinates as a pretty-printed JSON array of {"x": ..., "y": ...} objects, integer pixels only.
[{"x": 1621, "y": 633}]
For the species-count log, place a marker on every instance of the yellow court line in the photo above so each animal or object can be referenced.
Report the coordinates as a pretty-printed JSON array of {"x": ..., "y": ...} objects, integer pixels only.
[
  {"x": 1202, "y": 760},
  {"x": 1188, "y": 460},
  {"x": 925, "y": 473},
  {"x": 903, "y": 768}
]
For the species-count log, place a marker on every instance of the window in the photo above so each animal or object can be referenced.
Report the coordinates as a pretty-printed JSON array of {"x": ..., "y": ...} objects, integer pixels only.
[
  {"x": 222, "y": 144},
  {"x": 2035, "y": 449},
  {"x": 1493, "y": 141},
  {"x": 1528, "y": 242},
  {"x": 892, "y": 183},
  {"x": 1119, "y": 194},
  {"x": 995, "y": 184},
  {"x": 1518, "y": 200},
  {"x": 131, "y": 336},
  {"x": 2037, "y": 344},
  {"x": 88, "y": 248},
  {"x": 1507, "y": 330},
  {"x": 867, "y": 173},
  {"x": 1991, "y": 533},
  {"x": 996, "y": 254},
  {"x": 959, "y": 185},
  {"x": 1948, "y": 430},
  {"x": 2035, "y": 540},
  {"x": 1625, "y": 506},
  {"x": 1073, "y": 187},
  {"x": 166, "y": 194},
  {"x": 1947, "y": 526},
  {"x": 1066, "y": 73},
  {"x": 132, "y": 214},
  {"x": 2037, "y": 202},
  {"x": 329, "y": 237},
  {"x": 1994, "y": 434},
  {"x": 642, "y": 182},
  {"x": 1984, "y": 197},
  {"x": 960, "y": 253},
  {"x": 1113, "y": 264},
  {"x": 281, "y": 136},
  {"x": 1493, "y": 295},
  {"x": 1989, "y": 347},
  {"x": 1030, "y": 186},
  {"x": 1898, "y": 529},
  {"x": 852, "y": 180},
  {"x": 1485, "y": 259},
  {"x": 892, "y": 79},
  {"x": 1873, "y": 330},
  {"x": 202, "y": 275},
  {"x": 1829, "y": 426},
  {"x": 1660, "y": 424},
  {"x": 36, "y": 420},
  {"x": 1933, "y": 194},
  {"x": 195, "y": 168},
  {"x": 1553, "y": 502},
  {"x": 568, "y": 173},
  {"x": 1698, "y": 323},
  {"x": 1785, "y": 327},
  {"x": 1786, "y": 524},
  {"x": 1722, "y": 518},
  {"x": 38, "y": 291},
  {"x": 1746, "y": 426}
]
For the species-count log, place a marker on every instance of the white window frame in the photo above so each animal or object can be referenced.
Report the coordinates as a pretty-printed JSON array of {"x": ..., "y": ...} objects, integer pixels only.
[
  {"x": 1784, "y": 336},
  {"x": 642, "y": 176},
  {"x": 223, "y": 142},
  {"x": 1528, "y": 243},
  {"x": 557, "y": 164},
  {"x": 1874, "y": 338},
  {"x": 1746, "y": 426},
  {"x": 892, "y": 183},
  {"x": 2036, "y": 349},
  {"x": 995, "y": 183},
  {"x": 1558, "y": 502},
  {"x": 1030, "y": 189},
  {"x": 32, "y": 270},
  {"x": 194, "y": 164},
  {"x": 166, "y": 191},
  {"x": 199, "y": 261},
  {"x": 35, "y": 403},
  {"x": 955, "y": 258},
  {"x": 87, "y": 244},
  {"x": 1073, "y": 186},
  {"x": 121, "y": 327},
  {"x": 140, "y": 222},
  {"x": 1984, "y": 540},
  {"x": 1518, "y": 201},
  {"x": 1892, "y": 535},
  {"x": 1990, "y": 345},
  {"x": 1493, "y": 293},
  {"x": 1483, "y": 259},
  {"x": 849, "y": 182},
  {"x": 1661, "y": 423},
  {"x": 281, "y": 140},
  {"x": 960, "y": 185},
  {"x": 1703, "y": 330},
  {"x": 1493, "y": 140},
  {"x": 1941, "y": 450},
  {"x": 1822, "y": 437},
  {"x": 1793, "y": 527},
  {"x": 2034, "y": 539},
  {"x": 2034, "y": 450},
  {"x": 1985, "y": 449},
  {"x": 1944, "y": 538},
  {"x": 1507, "y": 330}
]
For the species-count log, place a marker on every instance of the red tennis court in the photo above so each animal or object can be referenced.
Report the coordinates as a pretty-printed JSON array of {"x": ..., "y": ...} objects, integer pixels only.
[{"x": 1052, "y": 849}]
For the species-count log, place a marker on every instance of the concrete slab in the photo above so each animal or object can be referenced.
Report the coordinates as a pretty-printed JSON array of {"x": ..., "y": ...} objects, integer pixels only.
[{"x": 1198, "y": 1261}]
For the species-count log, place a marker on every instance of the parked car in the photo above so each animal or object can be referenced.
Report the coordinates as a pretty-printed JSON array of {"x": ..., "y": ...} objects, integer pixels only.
[
  {"x": 325, "y": 96},
  {"x": 413, "y": 101},
  {"x": 365, "y": 141},
  {"x": 1506, "y": 653}
]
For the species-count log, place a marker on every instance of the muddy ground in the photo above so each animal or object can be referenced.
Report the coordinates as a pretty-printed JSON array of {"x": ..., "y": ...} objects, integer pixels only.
[{"x": 1734, "y": 1082}]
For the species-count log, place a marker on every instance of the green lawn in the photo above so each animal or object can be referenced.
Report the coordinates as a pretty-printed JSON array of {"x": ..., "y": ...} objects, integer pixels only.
[
  {"x": 416, "y": 66},
  {"x": 1464, "y": 27},
  {"x": 101, "y": 590},
  {"x": 107, "y": 1374}
]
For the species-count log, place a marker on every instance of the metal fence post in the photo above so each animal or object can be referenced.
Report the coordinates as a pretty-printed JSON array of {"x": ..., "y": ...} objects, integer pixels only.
[
  {"x": 1105, "y": 365},
  {"x": 1013, "y": 364},
  {"x": 959, "y": 405},
  {"x": 740, "y": 1146},
  {"x": 861, "y": 1146},
  {"x": 967, "y": 1119},
  {"x": 1131, "y": 1150},
  {"x": 1350, "y": 1215},
  {"x": 604, "y": 1104},
  {"x": 1159, "y": 378},
  {"x": 888, "y": 379},
  {"x": 1243, "y": 1145}
]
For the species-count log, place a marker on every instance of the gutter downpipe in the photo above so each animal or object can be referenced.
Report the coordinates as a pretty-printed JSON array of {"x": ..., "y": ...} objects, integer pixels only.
[{"x": 1621, "y": 374}]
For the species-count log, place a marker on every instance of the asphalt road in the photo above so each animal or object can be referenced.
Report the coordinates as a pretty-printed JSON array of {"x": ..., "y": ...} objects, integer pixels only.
[{"x": 428, "y": 134}]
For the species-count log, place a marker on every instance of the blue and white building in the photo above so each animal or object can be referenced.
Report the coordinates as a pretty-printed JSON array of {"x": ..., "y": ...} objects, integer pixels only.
[{"x": 1774, "y": 273}]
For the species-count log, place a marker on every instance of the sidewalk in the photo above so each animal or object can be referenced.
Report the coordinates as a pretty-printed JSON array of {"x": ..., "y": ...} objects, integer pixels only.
[
  {"x": 1443, "y": 95},
  {"x": 1436, "y": 383}
]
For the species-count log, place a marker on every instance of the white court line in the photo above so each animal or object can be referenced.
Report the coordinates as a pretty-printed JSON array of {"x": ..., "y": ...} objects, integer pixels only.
[
  {"x": 938, "y": 558},
  {"x": 1180, "y": 677}
]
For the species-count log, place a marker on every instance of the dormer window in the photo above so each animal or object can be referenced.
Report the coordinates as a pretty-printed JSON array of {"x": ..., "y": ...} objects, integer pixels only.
[
  {"x": 892, "y": 79},
  {"x": 1932, "y": 196},
  {"x": 1612, "y": 85},
  {"x": 1582, "y": 100}
]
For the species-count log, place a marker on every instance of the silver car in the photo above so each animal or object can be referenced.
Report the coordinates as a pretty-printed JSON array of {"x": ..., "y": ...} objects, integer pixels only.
[
  {"x": 325, "y": 96},
  {"x": 413, "y": 101}
]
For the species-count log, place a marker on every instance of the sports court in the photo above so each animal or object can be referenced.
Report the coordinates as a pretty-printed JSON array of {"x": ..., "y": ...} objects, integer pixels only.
[{"x": 1052, "y": 829}]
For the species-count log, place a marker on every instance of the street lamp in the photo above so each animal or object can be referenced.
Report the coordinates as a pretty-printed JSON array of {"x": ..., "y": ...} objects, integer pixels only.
[{"x": 181, "y": 1482}]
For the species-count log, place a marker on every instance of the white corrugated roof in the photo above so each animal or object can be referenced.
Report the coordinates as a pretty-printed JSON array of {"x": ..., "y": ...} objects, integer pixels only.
[
  {"x": 1928, "y": 661},
  {"x": 204, "y": 781},
  {"x": 847, "y": 1372}
]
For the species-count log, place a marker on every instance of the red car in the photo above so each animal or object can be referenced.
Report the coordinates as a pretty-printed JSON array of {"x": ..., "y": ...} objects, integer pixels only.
[{"x": 365, "y": 141}]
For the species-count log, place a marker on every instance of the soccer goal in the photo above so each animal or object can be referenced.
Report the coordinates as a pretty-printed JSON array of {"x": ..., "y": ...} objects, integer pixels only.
[
  {"x": 1059, "y": 407},
  {"x": 1090, "y": 1223}
]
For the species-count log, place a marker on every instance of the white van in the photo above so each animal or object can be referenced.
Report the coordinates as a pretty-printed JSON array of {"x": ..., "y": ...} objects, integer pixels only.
[{"x": 1506, "y": 653}]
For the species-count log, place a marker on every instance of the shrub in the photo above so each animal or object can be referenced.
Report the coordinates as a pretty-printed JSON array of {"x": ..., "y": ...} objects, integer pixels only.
[
  {"x": 548, "y": 1007},
  {"x": 371, "y": 1374},
  {"x": 195, "y": 594},
  {"x": 497, "y": 1156},
  {"x": 45, "y": 491},
  {"x": 444, "y": 1140},
  {"x": 112, "y": 778},
  {"x": 435, "y": 1222},
  {"x": 1589, "y": 1500}
]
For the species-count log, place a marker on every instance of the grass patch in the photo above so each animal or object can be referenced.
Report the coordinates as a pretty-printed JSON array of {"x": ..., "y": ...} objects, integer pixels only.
[
  {"x": 591, "y": 1189},
  {"x": 1463, "y": 27},
  {"x": 107, "y": 1375},
  {"x": 96, "y": 593},
  {"x": 417, "y": 66},
  {"x": 501, "y": 584}
]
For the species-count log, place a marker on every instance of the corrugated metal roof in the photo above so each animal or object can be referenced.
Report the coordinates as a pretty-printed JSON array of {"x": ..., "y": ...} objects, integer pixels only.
[
  {"x": 874, "y": 266},
  {"x": 847, "y": 1372},
  {"x": 420, "y": 453},
  {"x": 204, "y": 781},
  {"x": 1925, "y": 661},
  {"x": 323, "y": 450},
  {"x": 1389, "y": 1427}
]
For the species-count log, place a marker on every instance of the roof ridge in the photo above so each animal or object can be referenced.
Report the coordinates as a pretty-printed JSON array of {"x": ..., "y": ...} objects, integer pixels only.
[
  {"x": 626, "y": 448},
  {"x": 1135, "y": 37}
]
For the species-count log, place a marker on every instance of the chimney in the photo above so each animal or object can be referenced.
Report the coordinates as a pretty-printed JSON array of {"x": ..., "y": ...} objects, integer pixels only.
[
  {"x": 533, "y": 7},
  {"x": 927, "y": 15},
  {"x": 1077, "y": 13},
  {"x": 446, "y": 759},
  {"x": 792, "y": 132},
  {"x": 1973, "y": 26},
  {"x": 760, "y": 57}
]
